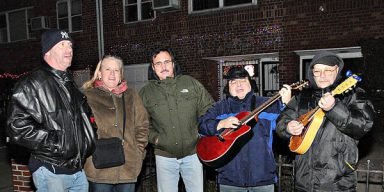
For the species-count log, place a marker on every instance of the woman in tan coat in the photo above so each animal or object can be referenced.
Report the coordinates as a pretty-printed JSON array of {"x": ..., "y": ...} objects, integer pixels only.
[{"x": 104, "y": 94}]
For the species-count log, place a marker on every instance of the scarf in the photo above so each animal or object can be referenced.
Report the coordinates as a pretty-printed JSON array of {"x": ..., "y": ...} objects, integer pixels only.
[{"x": 117, "y": 91}]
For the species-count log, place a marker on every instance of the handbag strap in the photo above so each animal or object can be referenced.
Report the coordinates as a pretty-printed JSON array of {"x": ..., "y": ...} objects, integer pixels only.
[{"x": 123, "y": 115}]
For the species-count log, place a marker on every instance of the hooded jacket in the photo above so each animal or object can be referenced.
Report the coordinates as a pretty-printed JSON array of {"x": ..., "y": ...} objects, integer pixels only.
[
  {"x": 108, "y": 114},
  {"x": 329, "y": 163},
  {"x": 174, "y": 105},
  {"x": 254, "y": 165},
  {"x": 50, "y": 116}
]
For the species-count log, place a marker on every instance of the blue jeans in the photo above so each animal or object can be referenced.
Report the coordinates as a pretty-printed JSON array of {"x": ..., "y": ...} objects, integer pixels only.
[
  {"x": 106, "y": 187},
  {"x": 46, "y": 181},
  {"x": 168, "y": 170},
  {"x": 265, "y": 188}
]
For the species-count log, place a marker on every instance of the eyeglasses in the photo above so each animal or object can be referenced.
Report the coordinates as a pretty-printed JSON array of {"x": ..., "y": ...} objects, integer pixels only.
[
  {"x": 327, "y": 72},
  {"x": 236, "y": 81},
  {"x": 166, "y": 63}
]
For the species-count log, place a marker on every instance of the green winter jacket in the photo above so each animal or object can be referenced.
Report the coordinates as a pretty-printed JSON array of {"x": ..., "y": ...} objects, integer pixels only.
[{"x": 174, "y": 105}]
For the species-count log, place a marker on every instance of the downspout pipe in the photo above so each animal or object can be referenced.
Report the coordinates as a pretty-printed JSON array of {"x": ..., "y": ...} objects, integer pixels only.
[{"x": 100, "y": 29}]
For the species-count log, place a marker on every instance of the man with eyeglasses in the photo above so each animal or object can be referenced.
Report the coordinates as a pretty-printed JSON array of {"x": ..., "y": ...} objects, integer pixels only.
[
  {"x": 174, "y": 102},
  {"x": 253, "y": 169},
  {"x": 330, "y": 162}
]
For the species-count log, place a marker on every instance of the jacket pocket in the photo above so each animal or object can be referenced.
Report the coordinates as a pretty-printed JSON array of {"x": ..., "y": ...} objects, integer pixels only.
[
  {"x": 55, "y": 142},
  {"x": 347, "y": 157},
  {"x": 186, "y": 99},
  {"x": 157, "y": 109}
]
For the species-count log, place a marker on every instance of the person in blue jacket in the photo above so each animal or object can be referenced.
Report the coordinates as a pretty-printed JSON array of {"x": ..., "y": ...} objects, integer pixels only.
[{"x": 253, "y": 168}]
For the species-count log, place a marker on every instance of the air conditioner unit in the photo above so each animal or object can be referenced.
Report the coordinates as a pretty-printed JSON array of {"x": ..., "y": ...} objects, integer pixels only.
[
  {"x": 166, "y": 5},
  {"x": 38, "y": 23}
]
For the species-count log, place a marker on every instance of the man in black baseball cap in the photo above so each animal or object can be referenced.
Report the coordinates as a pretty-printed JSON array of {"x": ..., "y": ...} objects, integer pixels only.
[{"x": 49, "y": 116}]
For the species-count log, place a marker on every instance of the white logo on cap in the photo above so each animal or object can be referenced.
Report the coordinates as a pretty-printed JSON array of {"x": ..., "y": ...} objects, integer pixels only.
[{"x": 64, "y": 35}]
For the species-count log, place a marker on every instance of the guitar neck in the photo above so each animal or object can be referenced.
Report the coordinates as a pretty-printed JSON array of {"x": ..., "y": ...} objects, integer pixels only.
[
  {"x": 306, "y": 118},
  {"x": 263, "y": 106}
]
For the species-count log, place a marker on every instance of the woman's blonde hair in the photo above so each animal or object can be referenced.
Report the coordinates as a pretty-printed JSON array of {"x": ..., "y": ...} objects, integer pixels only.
[{"x": 89, "y": 83}]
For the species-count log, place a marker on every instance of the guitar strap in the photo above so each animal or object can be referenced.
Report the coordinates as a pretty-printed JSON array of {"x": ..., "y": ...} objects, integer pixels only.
[
  {"x": 272, "y": 128},
  {"x": 253, "y": 103}
]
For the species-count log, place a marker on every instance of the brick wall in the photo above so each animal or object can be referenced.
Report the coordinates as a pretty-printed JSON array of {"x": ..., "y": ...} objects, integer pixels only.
[
  {"x": 281, "y": 26},
  {"x": 21, "y": 177},
  {"x": 271, "y": 26}
]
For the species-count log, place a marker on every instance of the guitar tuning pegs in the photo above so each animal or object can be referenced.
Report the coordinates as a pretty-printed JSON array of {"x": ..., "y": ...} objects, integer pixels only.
[
  {"x": 348, "y": 73},
  {"x": 357, "y": 78}
]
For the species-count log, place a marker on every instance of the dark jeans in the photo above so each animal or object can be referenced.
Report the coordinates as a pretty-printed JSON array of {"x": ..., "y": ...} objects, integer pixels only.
[{"x": 105, "y": 187}]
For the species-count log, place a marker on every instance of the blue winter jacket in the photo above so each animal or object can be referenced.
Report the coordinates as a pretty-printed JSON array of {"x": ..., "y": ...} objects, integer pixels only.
[{"x": 254, "y": 165}]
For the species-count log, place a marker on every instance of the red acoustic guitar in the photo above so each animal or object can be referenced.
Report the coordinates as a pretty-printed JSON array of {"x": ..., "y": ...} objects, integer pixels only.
[{"x": 218, "y": 150}]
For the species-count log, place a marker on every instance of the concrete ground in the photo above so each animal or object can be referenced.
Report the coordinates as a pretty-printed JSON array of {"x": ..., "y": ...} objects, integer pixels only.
[
  {"x": 5, "y": 171},
  {"x": 371, "y": 149}
]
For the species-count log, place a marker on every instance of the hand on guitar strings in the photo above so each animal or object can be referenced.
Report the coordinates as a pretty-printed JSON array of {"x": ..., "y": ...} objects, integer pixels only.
[
  {"x": 294, "y": 127},
  {"x": 285, "y": 93},
  {"x": 230, "y": 122},
  {"x": 327, "y": 102}
]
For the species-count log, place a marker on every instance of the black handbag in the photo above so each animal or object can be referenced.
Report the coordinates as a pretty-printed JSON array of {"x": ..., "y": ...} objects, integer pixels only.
[{"x": 109, "y": 151}]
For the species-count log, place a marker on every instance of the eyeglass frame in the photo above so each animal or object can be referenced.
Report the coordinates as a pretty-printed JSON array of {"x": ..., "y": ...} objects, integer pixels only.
[
  {"x": 327, "y": 72},
  {"x": 166, "y": 63}
]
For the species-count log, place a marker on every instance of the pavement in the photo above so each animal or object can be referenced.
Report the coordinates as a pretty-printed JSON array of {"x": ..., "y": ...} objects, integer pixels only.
[
  {"x": 371, "y": 149},
  {"x": 5, "y": 171}
]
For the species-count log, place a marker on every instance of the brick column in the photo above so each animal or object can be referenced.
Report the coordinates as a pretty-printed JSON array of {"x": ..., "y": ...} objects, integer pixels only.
[{"x": 21, "y": 177}]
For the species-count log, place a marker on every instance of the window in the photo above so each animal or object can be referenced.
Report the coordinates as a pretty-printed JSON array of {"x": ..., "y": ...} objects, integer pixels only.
[
  {"x": 270, "y": 82},
  {"x": 227, "y": 65},
  {"x": 201, "y": 5},
  {"x": 265, "y": 71},
  {"x": 136, "y": 75},
  {"x": 15, "y": 25},
  {"x": 138, "y": 10},
  {"x": 3, "y": 28},
  {"x": 69, "y": 15},
  {"x": 351, "y": 56}
]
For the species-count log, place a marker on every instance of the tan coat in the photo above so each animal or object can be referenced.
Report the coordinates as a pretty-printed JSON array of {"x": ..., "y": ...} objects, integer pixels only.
[{"x": 107, "y": 110}]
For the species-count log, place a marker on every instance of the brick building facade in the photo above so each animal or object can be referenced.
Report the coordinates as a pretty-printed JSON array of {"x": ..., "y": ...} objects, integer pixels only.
[
  {"x": 286, "y": 33},
  {"x": 274, "y": 26}
]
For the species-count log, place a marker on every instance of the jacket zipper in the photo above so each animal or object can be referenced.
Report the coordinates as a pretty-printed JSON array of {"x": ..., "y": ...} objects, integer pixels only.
[{"x": 78, "y": 156}]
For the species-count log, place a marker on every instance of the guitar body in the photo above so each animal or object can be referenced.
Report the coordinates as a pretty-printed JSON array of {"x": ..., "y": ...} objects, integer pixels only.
[
  {"x": 216, "y": 152},
  {"x": 301, "y": 143}
]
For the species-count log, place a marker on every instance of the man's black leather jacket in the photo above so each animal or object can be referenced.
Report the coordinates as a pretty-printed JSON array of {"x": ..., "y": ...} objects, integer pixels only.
[{"x": 50, "y": 116}]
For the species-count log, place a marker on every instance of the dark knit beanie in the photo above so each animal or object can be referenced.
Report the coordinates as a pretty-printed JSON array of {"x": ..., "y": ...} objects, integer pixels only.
[{"x": 51, "y": 37}]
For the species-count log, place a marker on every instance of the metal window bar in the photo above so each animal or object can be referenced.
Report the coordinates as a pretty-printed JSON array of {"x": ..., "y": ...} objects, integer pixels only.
[
  {"x": 286, "y": 175},
  {"x": 283, "y": 178}
]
